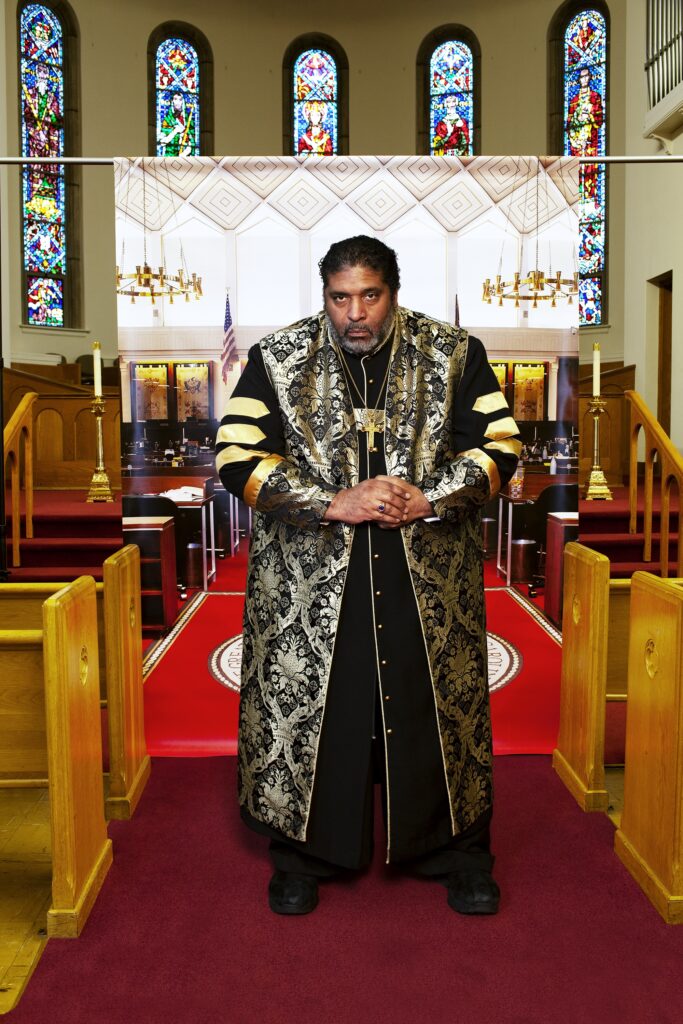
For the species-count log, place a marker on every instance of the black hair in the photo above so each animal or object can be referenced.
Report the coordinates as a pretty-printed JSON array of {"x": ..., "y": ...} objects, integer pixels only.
[{"x": 361, "y": 251}]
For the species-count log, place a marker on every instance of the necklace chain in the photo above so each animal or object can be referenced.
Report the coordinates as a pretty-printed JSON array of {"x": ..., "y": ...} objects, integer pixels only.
[{"x": 350, "y": 381}]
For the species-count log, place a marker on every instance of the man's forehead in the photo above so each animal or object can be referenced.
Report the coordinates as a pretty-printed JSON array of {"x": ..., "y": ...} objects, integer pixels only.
[{"x": 355, "y": 278}]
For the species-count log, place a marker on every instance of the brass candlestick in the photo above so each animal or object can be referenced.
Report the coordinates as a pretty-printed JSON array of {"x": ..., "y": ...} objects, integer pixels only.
[
  {"x": 100, "y": 488},
  {"x": 597, "y": 489}
]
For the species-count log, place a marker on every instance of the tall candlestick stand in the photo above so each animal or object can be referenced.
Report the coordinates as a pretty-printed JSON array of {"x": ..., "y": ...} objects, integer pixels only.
[
  {"x": 100, "y": 488},
  {"x": 597, "y": 489}
]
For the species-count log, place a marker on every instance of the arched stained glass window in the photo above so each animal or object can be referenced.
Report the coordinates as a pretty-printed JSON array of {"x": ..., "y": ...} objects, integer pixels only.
[
  {"x": 43, "y": 185},
  {"x": 451, "y": 99},
  {"x": 585, "y": 112},
  {"x": 177, "y": 98},
  {"x": 316, "y": 96}
]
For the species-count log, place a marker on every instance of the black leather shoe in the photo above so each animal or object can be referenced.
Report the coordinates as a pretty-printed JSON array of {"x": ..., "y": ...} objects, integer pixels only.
[
  {"x": 473, "y": 891},
  {"x": 290, "y": 893}
]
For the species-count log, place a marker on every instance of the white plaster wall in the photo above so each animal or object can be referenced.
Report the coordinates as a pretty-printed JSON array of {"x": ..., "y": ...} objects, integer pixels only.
[{"x": 653, "y": 237}]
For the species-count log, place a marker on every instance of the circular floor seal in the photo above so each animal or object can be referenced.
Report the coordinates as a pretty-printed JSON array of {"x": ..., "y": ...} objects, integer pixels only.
[
  {"x": 225, "y": 663},
  {"x": 505, "y": 662}
]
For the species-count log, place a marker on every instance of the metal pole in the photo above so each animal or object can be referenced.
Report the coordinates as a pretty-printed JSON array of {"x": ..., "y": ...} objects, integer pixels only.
[{"x": 109, "y": 161}]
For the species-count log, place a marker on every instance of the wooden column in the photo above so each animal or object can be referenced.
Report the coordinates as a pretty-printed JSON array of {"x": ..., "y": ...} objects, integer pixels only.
[
  {"x": 579, "y": 756},
  {"x": 650, "y": 839},
  {"x": 129, "y": 762}
]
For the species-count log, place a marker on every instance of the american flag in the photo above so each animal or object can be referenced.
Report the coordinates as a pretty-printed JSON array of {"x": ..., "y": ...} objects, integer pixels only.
[{"x": 229, "y": 351}]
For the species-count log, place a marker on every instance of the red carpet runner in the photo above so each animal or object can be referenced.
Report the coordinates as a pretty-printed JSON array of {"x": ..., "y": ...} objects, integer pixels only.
[
  {"x": 192, "y": 678},
  {"x": 181, "y": 932}
]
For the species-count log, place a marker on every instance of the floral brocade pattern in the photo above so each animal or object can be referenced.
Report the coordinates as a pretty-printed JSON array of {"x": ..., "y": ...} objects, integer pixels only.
[{"x": 298, "y": 568}]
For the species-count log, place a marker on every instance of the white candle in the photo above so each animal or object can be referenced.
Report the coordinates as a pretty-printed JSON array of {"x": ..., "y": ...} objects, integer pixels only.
[
  {"x": 596, "y": 369},
  {"x": 97, "y": 367}
]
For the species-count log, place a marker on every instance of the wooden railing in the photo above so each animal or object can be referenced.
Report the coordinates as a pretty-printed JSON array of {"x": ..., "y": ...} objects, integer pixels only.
[
  {"x": 659, "y": 445},
  {"x": 20, "y": 427}
]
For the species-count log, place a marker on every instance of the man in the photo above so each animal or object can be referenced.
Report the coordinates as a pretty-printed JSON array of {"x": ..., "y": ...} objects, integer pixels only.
[
  {"x": 316, "y": 139},
  {"x": 177, "y": 134},
  {"x": 452, "y": 134},
  {"x": 366, "y": 438},
  {"x": 584, "y": 118}
]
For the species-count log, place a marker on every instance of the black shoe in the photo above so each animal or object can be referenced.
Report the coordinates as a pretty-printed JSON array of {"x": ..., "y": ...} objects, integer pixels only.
[
  {"x": 473, "y": 891},
  {"x": 290, "y": 893}
]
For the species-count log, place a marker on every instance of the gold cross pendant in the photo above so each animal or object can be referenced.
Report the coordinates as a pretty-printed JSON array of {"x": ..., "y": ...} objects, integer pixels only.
[{"x": 371, "y": 422}]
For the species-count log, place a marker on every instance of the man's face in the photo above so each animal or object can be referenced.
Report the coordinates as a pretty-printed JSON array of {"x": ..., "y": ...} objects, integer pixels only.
[
  {"x": 360, "y": 307},
  {"x": 177, "y": 101},
  {"x": 584, "y": 78}
]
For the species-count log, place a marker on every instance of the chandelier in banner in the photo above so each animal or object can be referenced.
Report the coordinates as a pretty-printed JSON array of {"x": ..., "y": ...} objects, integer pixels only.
[
  {"x": 537, "y": 285},
  {"x": 147, "y": 282}
]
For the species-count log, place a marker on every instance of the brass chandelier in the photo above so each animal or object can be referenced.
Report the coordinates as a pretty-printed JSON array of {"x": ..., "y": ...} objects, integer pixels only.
[
  {"x": 147, "y": 283},
  {"x": 533, "y": 288},
  {"x": 538, "y": 285}
]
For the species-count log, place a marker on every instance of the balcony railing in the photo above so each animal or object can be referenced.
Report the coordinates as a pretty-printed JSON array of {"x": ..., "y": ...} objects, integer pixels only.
[{"x": 664, "y": 56}]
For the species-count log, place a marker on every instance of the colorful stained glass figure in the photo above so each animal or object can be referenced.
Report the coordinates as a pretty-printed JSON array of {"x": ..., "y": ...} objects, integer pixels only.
[
  {"x": 590, "y": 301},
  {"x": 316, "y": 101},
  {"x": 177, "y": 98},
  {"x": 45, "y": 301},
  {"x": 451, "y": 100},
  {"x": 42, "y": 135},
  {"x": 585, "y": 96}
]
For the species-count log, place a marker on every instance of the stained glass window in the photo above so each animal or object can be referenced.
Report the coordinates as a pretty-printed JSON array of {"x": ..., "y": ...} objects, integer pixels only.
[
  {"x": 316, "y": 102},
  {"x": 585, "y": 94},
  {"x": 177, "y": 98},
  {"x": 451, "y": 100},
  {"x": 43, "y": 189}
]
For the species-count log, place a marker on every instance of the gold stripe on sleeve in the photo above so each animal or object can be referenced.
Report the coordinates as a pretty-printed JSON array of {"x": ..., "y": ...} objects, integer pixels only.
[
  {"x": 511, "y": 446},
  {"x": 250, "y": 407},
  {"x": 236, "y": 454},
  {"x": 487, "y": 464},
  {"x": 257, "y": 478},
  {"x": 499, "y": 429},
  {"x": 242, "y": 433},
  {"x": 490, "y": 403}
]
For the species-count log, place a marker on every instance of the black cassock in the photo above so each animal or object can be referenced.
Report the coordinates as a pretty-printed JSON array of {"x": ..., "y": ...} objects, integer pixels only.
[{"x": 380, "y": 716}]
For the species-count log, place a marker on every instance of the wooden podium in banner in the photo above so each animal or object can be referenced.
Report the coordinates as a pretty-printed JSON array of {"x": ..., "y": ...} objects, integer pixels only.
[{"x": 650, "y": 840}]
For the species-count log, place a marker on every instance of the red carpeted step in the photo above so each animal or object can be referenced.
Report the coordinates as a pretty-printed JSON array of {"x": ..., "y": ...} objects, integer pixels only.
[
  {"x": 627, "y": 547},
  {"x": 624, "y": 570},
  {"x": 72, "y": 551},
  {"x": 81, "y": 525},
  {"x": 54, "y": 573}
]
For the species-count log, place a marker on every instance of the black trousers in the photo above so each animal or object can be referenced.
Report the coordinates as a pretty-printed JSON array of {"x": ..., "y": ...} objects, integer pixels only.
[{"x": 471, "y": 849}]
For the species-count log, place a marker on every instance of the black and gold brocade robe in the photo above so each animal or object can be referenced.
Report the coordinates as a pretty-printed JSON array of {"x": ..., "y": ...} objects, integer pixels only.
[{"x": 335, "y": 614}]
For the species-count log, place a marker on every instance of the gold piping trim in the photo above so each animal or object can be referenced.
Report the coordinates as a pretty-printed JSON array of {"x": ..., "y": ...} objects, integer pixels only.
[
  {"x": 490, "y": 403},
  {"x": 257, "y": 478},
  {"x": 242, "y": 433},
  {"x": 236, "y": 454},
  {"x": 487, "y": 464},
  {"x": 251, "y": 407},
  {"x": 511, "y": 446},
  {"x": 499, "y": 429}
]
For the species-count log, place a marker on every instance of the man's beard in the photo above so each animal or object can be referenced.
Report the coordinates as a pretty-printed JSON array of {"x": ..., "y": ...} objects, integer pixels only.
[{"x": 362, "y": 346}]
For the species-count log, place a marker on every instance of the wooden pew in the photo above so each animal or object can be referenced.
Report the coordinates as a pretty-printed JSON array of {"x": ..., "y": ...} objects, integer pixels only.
[
  {"x": 595, "y": 629},
  {"x": 120, "y": 667},
  {"x": 649, "y": 841},
  {"x": 50, "y": 731}
]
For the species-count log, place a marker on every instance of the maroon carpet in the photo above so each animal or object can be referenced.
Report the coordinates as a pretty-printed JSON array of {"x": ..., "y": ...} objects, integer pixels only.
[{"x": 181, "y": 933}]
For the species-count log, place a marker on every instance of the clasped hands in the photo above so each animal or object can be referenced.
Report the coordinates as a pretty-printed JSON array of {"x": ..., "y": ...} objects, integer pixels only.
[{"x": 386, "y": 500}]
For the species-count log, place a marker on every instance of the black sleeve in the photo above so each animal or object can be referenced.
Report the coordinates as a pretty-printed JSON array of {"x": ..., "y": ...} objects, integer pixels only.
[
  {"x": 485, "y": 437},
  {"x": 251, "y": 456}
]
